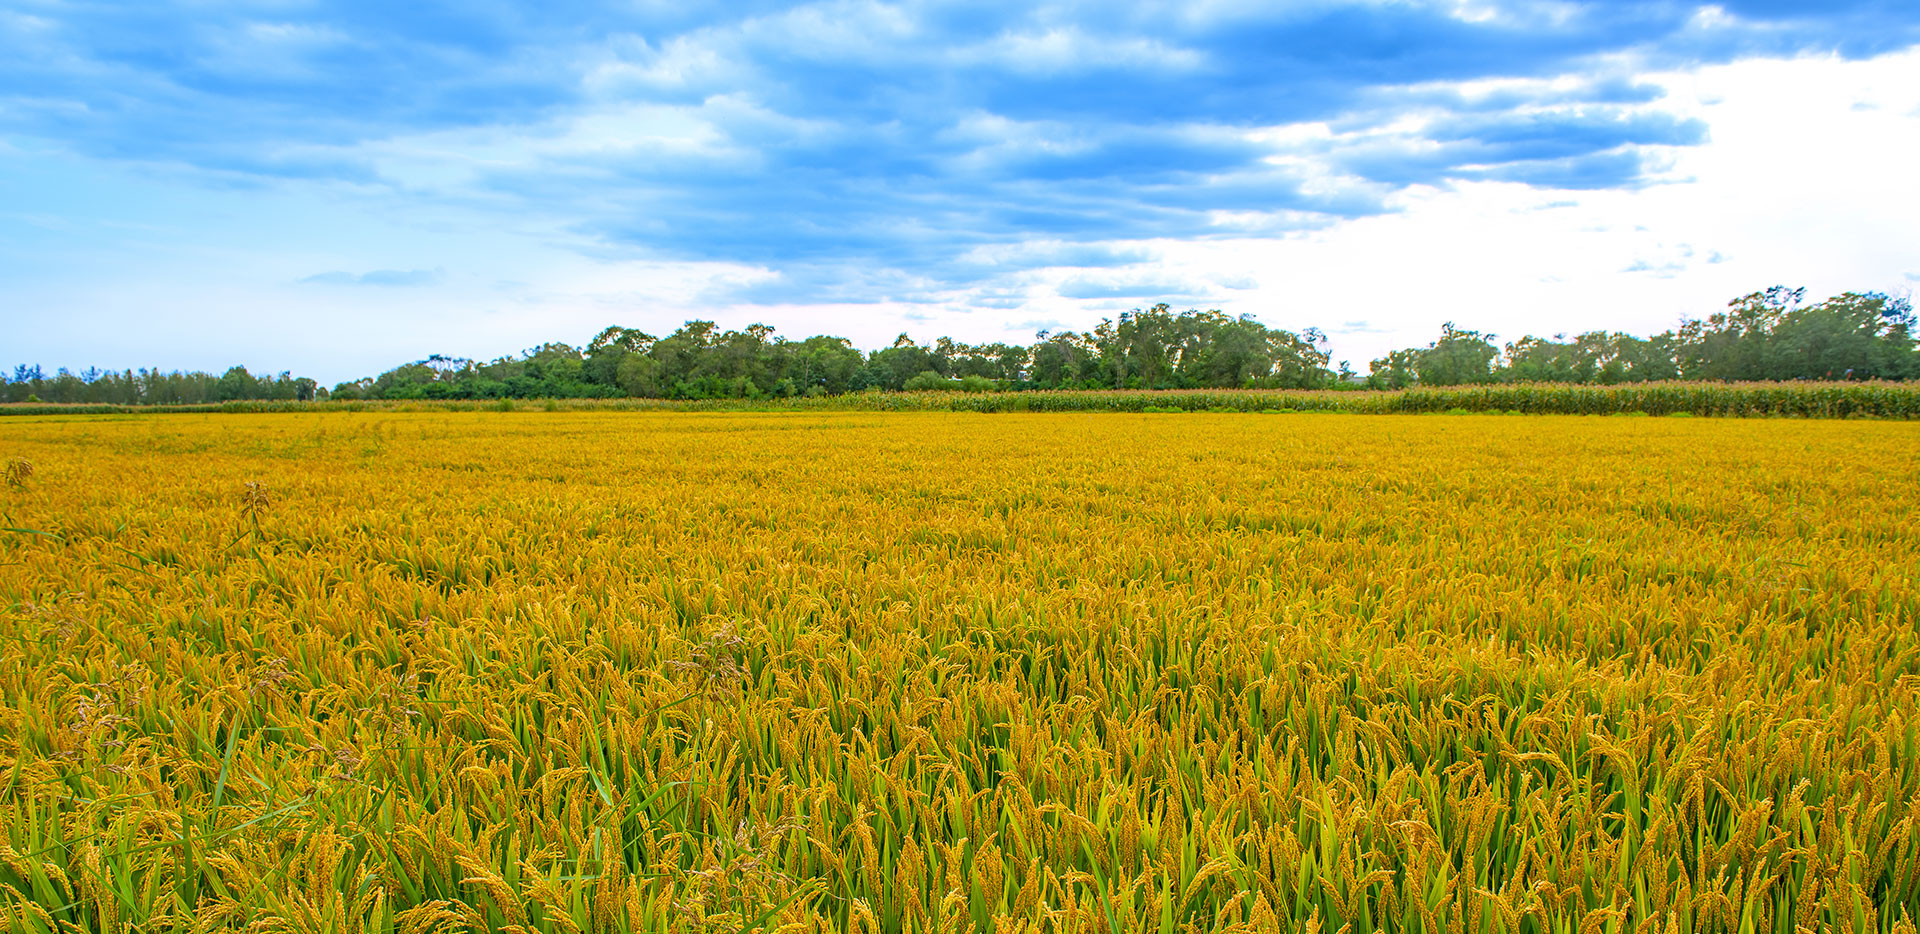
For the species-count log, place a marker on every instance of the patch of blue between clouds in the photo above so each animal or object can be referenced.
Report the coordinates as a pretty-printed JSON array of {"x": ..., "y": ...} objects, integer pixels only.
[{"x": 884, "y": 152}]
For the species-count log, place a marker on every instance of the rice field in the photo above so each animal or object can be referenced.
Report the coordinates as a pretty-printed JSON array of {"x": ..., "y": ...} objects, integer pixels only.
[{"x": 948, "y": 672}]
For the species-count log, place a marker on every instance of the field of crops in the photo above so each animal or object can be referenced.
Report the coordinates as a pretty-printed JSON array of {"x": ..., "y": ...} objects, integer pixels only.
[
  {"x": 1872, "y": 399},
  {"x": 571, "y": 672}
]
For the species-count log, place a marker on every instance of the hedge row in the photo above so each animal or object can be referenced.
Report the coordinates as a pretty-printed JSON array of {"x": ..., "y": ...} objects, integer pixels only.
[{"x": 1739, "y": 400}]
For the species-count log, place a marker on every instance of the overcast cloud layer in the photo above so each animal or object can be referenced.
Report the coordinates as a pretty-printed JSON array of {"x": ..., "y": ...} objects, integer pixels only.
[{"x": 336, "y": 188}]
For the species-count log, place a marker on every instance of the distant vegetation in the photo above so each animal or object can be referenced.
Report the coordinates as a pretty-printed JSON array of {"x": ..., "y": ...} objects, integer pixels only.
[
  {"x": 1807, "y": 399},
  {"x": 1770, "y": 335},
  {"x": 153, "y": 387}
]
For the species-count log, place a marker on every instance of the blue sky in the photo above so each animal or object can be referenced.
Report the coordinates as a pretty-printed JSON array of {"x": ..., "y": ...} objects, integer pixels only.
[{"x": 334, "y": 188}]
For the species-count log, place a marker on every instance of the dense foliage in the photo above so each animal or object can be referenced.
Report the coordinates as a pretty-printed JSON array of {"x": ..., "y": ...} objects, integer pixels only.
[
  {"x": 152, "y": 387},
  {"x": 867, "y": 672},
  {"x": 1151, "y": 349},
  {"x": 1768, "y": 335}
]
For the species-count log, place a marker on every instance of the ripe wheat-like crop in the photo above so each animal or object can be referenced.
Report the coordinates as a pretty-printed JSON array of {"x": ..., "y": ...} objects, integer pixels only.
[{"x": 941, "y": 672}]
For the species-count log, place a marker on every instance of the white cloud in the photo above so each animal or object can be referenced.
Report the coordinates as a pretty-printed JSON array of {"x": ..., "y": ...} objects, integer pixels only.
[{"x": 1795, "y": 186}]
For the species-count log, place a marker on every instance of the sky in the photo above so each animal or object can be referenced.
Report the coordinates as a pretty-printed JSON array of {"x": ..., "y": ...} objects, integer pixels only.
[{"x": 338, "y": 188}]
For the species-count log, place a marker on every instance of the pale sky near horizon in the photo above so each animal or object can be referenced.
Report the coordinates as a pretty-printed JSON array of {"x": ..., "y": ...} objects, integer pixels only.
[{"x": 337, "y": 188}]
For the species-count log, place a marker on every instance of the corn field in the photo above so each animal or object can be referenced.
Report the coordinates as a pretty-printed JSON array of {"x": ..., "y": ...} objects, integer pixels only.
[
  {"x": 1738, "y": 400},
  {"x": 946, "y": 672},
  {"x": 1880, "y": 400}
]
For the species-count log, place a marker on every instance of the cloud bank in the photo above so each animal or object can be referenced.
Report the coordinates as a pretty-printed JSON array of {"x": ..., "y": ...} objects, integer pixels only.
[{"x": 853, "y": 152}]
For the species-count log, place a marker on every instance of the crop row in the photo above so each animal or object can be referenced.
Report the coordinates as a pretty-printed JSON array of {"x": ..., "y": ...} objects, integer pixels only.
[{"x": 1881, "y": 400}]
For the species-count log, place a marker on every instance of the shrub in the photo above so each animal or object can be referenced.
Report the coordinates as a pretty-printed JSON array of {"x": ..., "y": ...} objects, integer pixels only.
[{"x": 928, "y": 380}]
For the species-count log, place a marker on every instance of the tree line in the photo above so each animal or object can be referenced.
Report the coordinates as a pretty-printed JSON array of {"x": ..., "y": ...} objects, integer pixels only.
[
  {"x": 152, "y": 387},
  {"x": 1768, "y": 335},
  {"x": 1154, "y": 348}
]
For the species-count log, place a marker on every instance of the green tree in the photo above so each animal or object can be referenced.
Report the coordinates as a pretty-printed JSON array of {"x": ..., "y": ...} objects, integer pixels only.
[
  {"x": 824, "y": 364},
  {"x": 1065, "y": 359},
  {"x": 235, "y": 383},
  {"x": 1459, "y": 357},
  {"x": 1396, "y": 370},
  {"x": 928, "y": 380},
  {"x": 891, "y": 367}
]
